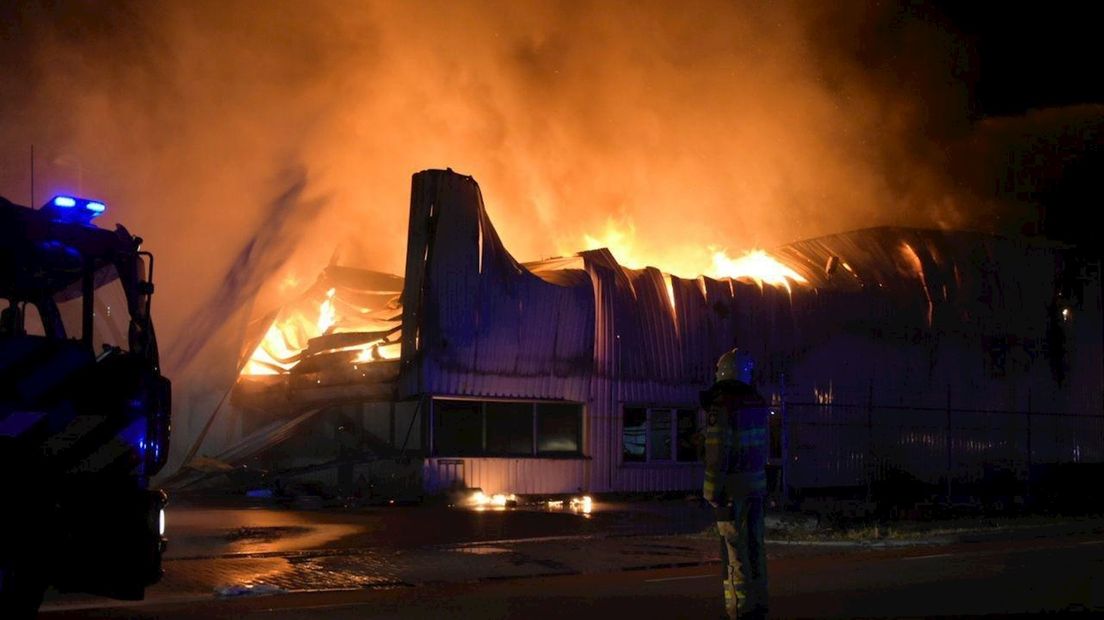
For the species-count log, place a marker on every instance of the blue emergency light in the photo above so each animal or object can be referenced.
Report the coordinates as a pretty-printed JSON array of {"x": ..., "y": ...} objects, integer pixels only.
[{"x": 74, "y": 209}]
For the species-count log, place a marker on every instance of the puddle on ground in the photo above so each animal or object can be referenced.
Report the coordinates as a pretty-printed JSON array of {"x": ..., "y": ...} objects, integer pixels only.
[
  {"x": 264, "y": 534},
  {"x": 203, "y": 532},
  {"x": 482, "y": 550}
]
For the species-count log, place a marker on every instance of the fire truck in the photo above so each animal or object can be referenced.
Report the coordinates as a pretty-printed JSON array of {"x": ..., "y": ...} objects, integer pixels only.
[{"x": 84, "y": 409}]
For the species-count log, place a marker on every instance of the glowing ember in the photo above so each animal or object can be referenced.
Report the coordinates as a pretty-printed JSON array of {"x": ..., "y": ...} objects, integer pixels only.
[
  {"x": 582, "y": 504},
  {"x": 480, "y": 500},
  {"x": 757, "y": 266},
  {"x": 290, "y": 283},
  {"x": 381, "y": 350}
]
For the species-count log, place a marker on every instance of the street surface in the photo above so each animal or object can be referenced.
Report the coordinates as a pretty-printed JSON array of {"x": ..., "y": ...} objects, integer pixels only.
[{"x": 423, "y": 562}]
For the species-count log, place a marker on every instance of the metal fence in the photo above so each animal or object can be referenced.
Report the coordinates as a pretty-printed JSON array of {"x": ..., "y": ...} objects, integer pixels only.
[{"x": 906, "y": 454}]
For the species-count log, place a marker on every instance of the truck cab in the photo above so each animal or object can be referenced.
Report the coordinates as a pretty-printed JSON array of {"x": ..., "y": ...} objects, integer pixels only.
[{"x": 84, "y": 409}]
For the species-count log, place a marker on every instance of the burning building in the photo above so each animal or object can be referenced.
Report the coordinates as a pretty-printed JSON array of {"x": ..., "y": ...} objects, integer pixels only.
[{"x": 942, "y": 359}]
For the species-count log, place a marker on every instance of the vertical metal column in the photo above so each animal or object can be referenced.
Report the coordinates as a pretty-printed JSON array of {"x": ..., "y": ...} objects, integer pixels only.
[
  {"x": 870, "y": 462},
  {"x": 1027, "y": 492},
  {"x": 949, "y": 446},
  {"x": 429, "y": 442},
  {"x": 783, "y": 475},
  {"x": 784, "y": 445},
  {"x": 391, "y": 432}
]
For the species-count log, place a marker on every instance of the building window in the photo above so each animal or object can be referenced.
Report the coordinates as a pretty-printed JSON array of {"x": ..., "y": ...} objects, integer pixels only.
[
  {"x": 458, "y": 427},
  {"x": 502, "y": 428},
  {"x": 686, "y": 433},
  {"x": 659, "y": 435},
  {"x": 559, "y": 428},
  {"x": 509, "y": 428},
  {"x": 634, "y": 438}
]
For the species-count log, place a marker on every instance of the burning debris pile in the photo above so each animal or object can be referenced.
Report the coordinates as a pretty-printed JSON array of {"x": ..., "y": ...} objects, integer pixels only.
[{"x": 348, "y": 320}]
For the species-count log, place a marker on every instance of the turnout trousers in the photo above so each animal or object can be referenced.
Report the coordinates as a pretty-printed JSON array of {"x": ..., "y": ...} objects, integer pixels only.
[{"x": 744, "y": 558}]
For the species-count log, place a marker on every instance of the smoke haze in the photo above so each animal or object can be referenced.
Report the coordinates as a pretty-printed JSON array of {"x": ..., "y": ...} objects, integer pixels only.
[{"x": 684, "y": 126}]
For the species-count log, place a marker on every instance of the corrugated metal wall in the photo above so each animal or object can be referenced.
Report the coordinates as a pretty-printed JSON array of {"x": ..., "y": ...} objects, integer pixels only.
[
  {"x": 648, "y": 353},
  {"x": 477, "y": 323},
  {"x": 905, "y": 315},
  {"x": 506, "y": 475}
]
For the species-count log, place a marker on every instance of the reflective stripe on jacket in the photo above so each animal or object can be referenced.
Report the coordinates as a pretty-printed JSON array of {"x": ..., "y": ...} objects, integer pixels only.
[{"x": 735, "y": 443}]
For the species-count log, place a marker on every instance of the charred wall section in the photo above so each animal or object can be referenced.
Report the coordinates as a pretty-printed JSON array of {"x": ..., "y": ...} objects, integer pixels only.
[{"x": 475, "y": 322}]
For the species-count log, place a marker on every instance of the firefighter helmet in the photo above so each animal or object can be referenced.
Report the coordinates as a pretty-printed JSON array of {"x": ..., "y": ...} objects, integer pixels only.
[{"x": 735, "y": 365}]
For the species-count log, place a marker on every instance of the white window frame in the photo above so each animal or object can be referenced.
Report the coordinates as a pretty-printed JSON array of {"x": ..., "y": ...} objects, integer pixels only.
[{"x": 649, "y": 411}]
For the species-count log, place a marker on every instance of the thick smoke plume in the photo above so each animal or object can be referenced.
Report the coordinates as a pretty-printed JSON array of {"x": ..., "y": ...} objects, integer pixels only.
[{"x": 687, "y": 125}]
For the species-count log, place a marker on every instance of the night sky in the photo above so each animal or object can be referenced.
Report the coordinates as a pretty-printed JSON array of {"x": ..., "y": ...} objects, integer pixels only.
[
  {"x": 1035, "y": 56},
  {"x": 1031, "y": 55}
]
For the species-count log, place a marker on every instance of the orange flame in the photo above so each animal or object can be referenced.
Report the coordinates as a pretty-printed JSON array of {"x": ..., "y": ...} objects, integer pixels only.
[
  {"x": 275, "y": 345},
  {"x": 287, "y": 337},
  {"x": 754, "y": 266},
  {"x": 618, "y": 239},
  {"x": 757, "y": 266},
  {"x": 379, "y": 351},
  {"x": 327, "y": 316},
  {"x": 913, "y": 260}
]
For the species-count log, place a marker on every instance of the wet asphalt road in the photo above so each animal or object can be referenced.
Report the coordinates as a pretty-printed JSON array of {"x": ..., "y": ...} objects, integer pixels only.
[
  {"x": 429, "y": 562},
  {"x": 215, "y": 550},
  {"x": 199, "y": 530},
  {"x": 1047, "y": 576}
]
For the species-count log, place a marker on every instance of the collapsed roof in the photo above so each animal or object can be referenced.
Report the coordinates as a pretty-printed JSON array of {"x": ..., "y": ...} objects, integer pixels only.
[{"x": 472, "y": 320}]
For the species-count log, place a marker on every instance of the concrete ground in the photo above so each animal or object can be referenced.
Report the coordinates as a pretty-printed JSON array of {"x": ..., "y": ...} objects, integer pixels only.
[{"x": 240, "y": 557}]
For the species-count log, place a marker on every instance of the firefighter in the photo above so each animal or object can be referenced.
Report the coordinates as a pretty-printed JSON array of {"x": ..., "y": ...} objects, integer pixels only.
[{"x": 736, "y": 481}]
